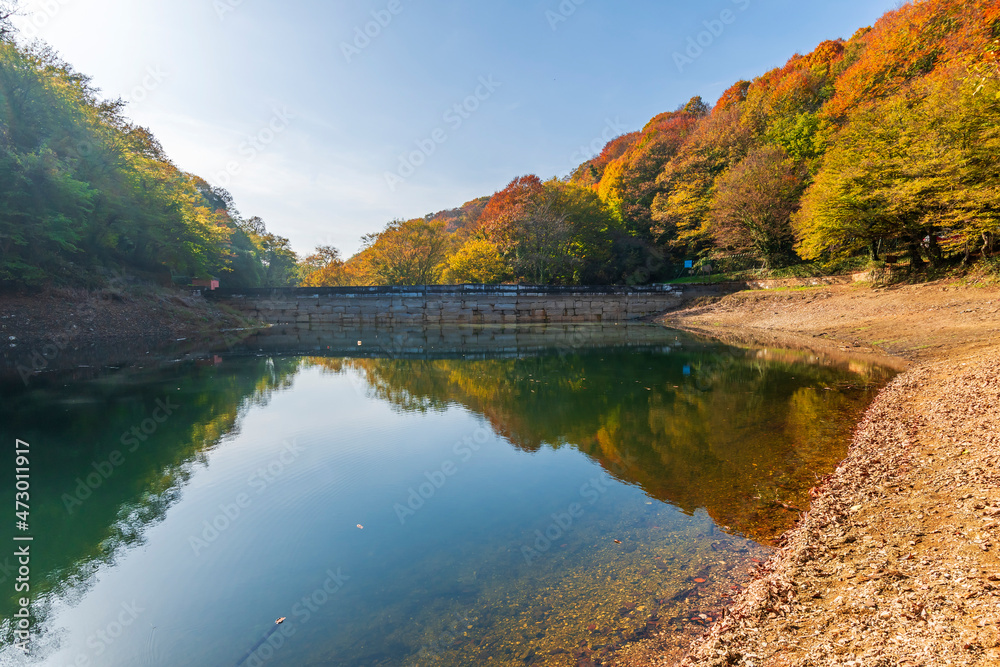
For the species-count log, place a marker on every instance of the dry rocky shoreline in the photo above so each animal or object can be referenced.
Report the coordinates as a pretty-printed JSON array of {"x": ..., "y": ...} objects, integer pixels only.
[{"x": 895, "y": 563}]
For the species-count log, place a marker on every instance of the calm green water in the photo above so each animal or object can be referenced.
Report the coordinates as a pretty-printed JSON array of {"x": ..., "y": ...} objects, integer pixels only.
[{"x": 509, "y": 497}]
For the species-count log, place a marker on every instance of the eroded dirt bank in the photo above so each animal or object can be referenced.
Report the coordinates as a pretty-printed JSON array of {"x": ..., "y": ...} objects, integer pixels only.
[
  {"x": 59, "y": 329},
  {"x": 896, "y": 561}
]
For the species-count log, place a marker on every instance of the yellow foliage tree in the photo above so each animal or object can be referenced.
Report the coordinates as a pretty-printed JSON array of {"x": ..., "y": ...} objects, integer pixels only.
[{"x": 477, "y": 262}]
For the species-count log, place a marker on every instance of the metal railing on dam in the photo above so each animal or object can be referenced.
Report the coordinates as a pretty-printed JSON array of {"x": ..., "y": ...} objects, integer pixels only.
[{"x": 449, "y": 304}]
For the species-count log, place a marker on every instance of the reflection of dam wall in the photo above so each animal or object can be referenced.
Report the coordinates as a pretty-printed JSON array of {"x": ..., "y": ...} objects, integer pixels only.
[
  {"x": 452, "y": 341},
  {"x": 449, "y": 304}
]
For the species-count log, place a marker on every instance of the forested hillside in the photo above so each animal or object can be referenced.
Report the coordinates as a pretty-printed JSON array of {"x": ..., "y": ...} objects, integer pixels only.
[
  {"x": 871, "y": 144},
  {"x": 882, "y": 147},
  {"x": 85, "y": 194}
]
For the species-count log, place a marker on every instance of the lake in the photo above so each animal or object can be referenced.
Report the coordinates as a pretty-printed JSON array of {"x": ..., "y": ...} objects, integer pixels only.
[{"x": 506, "y": 496}]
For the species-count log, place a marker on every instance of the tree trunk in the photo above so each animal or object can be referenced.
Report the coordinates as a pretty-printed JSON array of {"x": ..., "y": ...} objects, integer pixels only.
[
  {"x": 934, "y": 249},
  {"x": 913, "y": 249}
]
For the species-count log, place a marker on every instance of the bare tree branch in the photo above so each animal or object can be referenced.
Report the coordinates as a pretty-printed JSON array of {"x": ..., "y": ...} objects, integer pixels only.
[{"x": 8, "y": 10}]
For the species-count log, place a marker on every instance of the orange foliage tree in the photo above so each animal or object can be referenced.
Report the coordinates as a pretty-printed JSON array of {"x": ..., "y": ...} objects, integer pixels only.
[{"x": 912, "y": 41}]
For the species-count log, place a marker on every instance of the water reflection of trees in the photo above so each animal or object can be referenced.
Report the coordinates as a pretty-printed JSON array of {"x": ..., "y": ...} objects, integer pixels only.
[
  {"x": 697, "y": 426},
  {"x": 73, "y": 426},
  {"x": 735, "y": 431}
]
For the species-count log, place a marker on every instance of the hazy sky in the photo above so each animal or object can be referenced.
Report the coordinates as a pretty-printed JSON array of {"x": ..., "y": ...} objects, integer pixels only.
[{"x": 329, "y": 119}]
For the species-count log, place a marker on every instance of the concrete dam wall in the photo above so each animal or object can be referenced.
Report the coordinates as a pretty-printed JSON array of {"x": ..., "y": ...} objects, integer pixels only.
[{"x": 449, "y": 304}]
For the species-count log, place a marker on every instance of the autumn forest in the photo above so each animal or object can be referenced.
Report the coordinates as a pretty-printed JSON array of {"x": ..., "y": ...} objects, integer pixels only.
[{"x": 876, "y": 149}]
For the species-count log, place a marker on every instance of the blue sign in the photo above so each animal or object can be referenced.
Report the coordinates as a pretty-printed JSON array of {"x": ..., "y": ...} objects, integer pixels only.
[{"x": 689, "y": 264}]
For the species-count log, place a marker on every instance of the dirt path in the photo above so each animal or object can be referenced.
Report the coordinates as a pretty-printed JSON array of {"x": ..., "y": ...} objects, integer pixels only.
[{"x": 896, "y": 562}]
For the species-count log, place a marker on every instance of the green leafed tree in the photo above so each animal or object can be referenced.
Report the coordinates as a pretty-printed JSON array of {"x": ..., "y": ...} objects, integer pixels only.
[{"x": 43, "y": 210}]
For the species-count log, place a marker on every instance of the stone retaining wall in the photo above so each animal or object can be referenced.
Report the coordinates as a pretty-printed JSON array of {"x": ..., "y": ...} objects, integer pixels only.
[{"x": 459, "y": 304}]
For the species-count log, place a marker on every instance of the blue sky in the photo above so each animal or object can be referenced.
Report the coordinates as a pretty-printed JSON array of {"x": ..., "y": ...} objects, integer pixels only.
[{"x": 330, "y": 119}]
